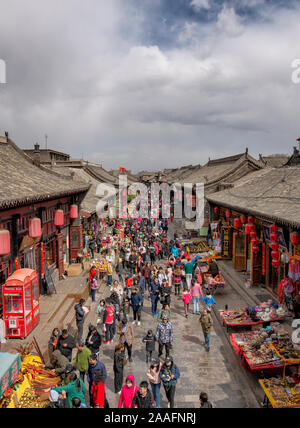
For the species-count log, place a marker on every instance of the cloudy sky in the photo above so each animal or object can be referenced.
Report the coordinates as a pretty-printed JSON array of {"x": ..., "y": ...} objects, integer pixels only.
[{"x": 151, "y": 84}]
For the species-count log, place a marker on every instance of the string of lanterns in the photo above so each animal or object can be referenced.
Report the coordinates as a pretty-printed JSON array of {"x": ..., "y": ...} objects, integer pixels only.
[{"x": 35, "y": 228}]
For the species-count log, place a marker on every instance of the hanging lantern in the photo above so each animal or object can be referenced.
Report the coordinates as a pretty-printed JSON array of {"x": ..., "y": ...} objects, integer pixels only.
[
  {"x": 276, "y": 263},
  {"x": 274, "y": 237},
  {"x": 274, "y": 246},
  {"x": 275, "y": 255},
  {"x": 59, "y": 218},
  {"x": 74, "y": 211},
  {"x": 4, "y": 242},
  {"x": 35, "y": 228},
  {"x": 253, "y": 235},
  {"x": 243, "y": 219},
  {"x": 273, "y": 228},
  {"x": 248, "y": 229},
  {"x": 295, "y": 238},
  {"x": 228, "y": 214},
  {"x": 254, "y": 242},
  {"x": 255, "y": 250},
  {"x": 251, "y": 219},
  {"x": 217, "y": 210},
  {"x": 237, "y": 223}
]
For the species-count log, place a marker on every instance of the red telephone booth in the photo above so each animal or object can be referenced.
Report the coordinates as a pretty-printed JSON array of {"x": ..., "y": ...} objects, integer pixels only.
[{"x": 21, "y": 308}]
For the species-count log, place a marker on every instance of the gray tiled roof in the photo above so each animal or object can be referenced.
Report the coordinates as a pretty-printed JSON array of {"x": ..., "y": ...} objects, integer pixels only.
[
  {"x": 272, "y": 193},
  {"x": 22, "y": 182}
]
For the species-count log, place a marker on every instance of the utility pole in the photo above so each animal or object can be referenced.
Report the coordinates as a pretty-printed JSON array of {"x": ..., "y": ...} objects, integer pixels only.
[{"x": 46, "y": 139}]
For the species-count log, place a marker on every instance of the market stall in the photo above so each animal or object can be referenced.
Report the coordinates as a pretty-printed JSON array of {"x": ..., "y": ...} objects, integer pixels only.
[
  {"x": 31, "y": 382},
  {"x": 10, "y": 366},
  {"x": 281, "y": 393},
  {"x": 249, "y": 317}
]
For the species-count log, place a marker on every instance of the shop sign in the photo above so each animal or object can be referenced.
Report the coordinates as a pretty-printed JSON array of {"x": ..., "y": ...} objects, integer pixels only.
[
  {"x": 281, "y": 239},
  {"x": 197, "y": 247}
]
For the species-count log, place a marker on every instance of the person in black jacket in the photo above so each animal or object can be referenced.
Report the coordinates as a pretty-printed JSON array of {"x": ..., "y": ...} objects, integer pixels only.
[
  {"x": 119, "y": 363},
  {"x": 143, "y": 398},
  {"x": 79, "y": 312},
  {"x": 149, "y": 339},
  {"x": 66, "y": 344},
  {"x": 93, "y": 340}
]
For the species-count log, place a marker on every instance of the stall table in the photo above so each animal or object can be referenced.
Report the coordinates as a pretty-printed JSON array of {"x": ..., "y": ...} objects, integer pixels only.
[
  {"x": 240, "y": 318},
  {"x": 280, "y": 397}
]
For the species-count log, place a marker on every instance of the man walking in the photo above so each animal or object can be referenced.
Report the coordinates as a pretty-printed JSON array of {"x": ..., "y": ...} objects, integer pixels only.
[
  {"x": 164, "y": 336},
  {"x": 79, "y": 318},
  {"x": 206, "y": 324}
]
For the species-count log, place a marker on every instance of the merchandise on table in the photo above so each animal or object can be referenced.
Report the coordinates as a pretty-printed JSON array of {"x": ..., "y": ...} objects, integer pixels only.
[
  {"x": 266, "y": 312},
  {"x": 282, "y": 393}
]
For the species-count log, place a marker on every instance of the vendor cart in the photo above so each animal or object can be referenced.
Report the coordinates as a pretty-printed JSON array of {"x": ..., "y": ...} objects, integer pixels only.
[{"x": 10, "y": 366}]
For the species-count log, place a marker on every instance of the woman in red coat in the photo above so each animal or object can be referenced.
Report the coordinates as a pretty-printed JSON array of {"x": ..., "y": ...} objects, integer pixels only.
[{"x": 98, "y": 390}]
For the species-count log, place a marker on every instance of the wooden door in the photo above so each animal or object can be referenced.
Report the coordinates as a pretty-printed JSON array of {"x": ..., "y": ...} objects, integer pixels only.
[
  {"x": 60, "y": 255},
  {"x": 257, "y": 266},
  {"x": 239, "y": 251}
]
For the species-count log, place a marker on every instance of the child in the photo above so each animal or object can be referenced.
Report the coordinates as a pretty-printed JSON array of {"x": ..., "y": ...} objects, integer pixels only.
[
  {"x": 186, "y": 298},
  {"x": 149, "y": 339},
  {"x": 209, "y": 300}
]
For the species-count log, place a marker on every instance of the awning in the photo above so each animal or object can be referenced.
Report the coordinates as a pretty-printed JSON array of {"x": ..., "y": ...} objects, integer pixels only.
[{"x": 85, "y": 214}]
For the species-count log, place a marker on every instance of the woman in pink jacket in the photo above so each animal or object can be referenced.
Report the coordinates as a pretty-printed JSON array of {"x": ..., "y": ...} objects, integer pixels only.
[
  {"x": 186, "y": 298},
  {"x": 128, "y": 392},
  {"x": 196, "y": 293}
]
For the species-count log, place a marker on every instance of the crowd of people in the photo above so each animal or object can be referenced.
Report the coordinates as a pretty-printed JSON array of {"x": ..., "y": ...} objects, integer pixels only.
[{"x": 135, "y": 262}]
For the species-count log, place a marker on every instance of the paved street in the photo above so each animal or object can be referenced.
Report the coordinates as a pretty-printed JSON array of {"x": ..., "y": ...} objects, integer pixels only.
[{"x": 211, "y": 373}]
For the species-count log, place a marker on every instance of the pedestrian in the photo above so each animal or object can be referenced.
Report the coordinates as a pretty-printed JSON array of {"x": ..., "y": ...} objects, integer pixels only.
[
  {"x": 164, "y": 336},
  {"x": 126, "y": 308},
  {"x": 213, "y": 268},
  {"x": 189, "y": 270},
  {"x": 94, "y": 288},
  {"x": 165, "y": 293},
  {"x": 58, "y": 363},
  {"x": 119, "y": 363},
  {"x": 128, "y": 393},
  {"x": 186, "y": 298},
  {"x": 93, "y": 340},
  {"x": 66, "y": 343},
  {"x": 177, "y": 279},
  {"x": 204, "y": 403},
  {"x": 143, "y": 397},
  {"x": 209, "y": 300},
  {"x": 108, "y": 321},
  {"x": 149, "y": 340},
  {"x": 153, "y": 375},
  {"x": 154, "y": 291},
  {"x": 169, "y": 376},
  {"x": 98, "y": 390},
  {"x": 109, "y": 272},
  {"x": 165, "y": 312},
  {"x": 82, "y": 359},
  {"x": 126, "y": 336},
  {"x": 80, "y": 314},
  {"x": 52, "y": 345},
  {"x": 137, "y": 302},
  {"x": 93, "y": 367},
  {"x": 196, "y": 293},
  {"x": 206, "y": 324}
]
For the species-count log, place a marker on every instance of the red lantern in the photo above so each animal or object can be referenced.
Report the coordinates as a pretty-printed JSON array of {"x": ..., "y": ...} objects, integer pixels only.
[
  {"x": 59, "y": 218},
  {"x": 216, "y": 210},
  {"x": 253, "y": 227},
  {"x": 255, "y": 250},
  {"x": 74, "y": 211},
  {"x": 35, "y": 228},
  {"x": 253, "y": 235},
  {"x": 274, "y": 246},
  {"x": 295, "y": 238},
  {"x": 276, "y": 263},
  {"x": 248, "y": 229},
  {"x": 251, "y": 219},
  {"x": 237, "y": 223},
  {"x": 228, "y": 214},
  {"x": 4, "y": 242},
  {"x": 274, "y": 237},
  {"x": 275, "y": 255},
  {"x": 273, "y": 228},
  {"x": 243, "y": 219},
  {"x": 254, "y": 242}
]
